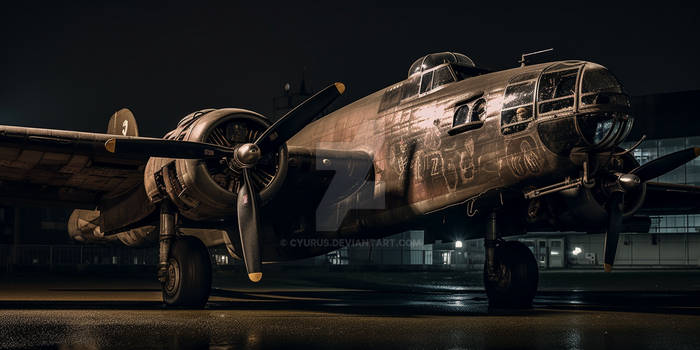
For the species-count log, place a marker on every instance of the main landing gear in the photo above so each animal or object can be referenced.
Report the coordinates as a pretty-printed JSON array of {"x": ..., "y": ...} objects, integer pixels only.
[
  {"x": 184, "y": 268},
  {"x": 510, "y": 271}
]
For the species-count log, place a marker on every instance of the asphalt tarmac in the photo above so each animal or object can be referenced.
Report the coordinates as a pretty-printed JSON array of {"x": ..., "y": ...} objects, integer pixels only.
[{"x": 96, "y": 311}]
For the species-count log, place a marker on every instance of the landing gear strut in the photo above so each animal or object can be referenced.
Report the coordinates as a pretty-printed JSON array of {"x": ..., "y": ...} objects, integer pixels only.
[
  {"x": 167, "y": 235},
  {"x": 184, "y": 267},
  {"x": 510, "y": 270}
]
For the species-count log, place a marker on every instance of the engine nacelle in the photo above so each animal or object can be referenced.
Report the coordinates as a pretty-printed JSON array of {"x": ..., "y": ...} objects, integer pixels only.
[
  {"x": 207, "y": 189},
  {"x": 84, "y": 227},
  {"x": 584, "y": 207}
]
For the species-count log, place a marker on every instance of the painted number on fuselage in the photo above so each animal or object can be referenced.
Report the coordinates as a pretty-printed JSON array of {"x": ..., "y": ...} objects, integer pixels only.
[{"x": 435, "y": 163}]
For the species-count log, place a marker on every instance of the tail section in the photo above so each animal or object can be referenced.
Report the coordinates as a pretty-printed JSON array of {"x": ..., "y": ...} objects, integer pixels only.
[{"x": 123, "y": 122}]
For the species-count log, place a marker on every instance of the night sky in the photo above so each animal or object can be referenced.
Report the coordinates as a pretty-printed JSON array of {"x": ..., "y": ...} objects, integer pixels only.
[{"x": 72, "y": 65}]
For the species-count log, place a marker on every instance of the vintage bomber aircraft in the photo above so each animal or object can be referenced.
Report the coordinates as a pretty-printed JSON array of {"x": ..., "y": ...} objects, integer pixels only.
[{"x": 453, "y": 148}]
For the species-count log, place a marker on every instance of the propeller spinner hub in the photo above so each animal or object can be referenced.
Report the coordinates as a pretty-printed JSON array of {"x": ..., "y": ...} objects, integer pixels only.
[
  {"x": 629, "y": 181},
  {"x": 247, "y": 155}
]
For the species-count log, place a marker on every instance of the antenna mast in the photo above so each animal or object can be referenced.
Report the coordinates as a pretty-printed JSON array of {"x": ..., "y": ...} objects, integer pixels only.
[{"x": 523, "y": 61}]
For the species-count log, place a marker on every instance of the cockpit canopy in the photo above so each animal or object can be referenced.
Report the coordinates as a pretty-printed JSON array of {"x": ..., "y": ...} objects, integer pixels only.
[
  {"x": 586, "y": 91},
  {"x": 429, "y": 73},
  {"x": 435, "y": 59}
]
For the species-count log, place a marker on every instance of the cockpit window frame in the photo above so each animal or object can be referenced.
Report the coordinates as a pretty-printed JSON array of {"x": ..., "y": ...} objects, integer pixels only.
[
  {"x": 390, "y": 100},
  {"x": 432, "y": 71},
  {"x": 518, "y": 126},
  {"x": 429, "y": 89},
  {"x": 449, "y": 68},
  {"x": 560, "y": 67},
  {"x": 420, "y": 65},
  {"x": 582, "y": 95}
]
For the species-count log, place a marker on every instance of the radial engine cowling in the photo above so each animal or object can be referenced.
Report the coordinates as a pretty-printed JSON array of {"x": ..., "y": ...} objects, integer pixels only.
[
  {"x": 207, "y": 189},
  {"x": 585, "y": 207}
]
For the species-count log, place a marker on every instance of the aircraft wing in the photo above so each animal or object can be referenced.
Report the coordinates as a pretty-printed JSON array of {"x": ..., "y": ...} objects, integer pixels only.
[
  {"x": 671, "y": 199},
  {"x": 63, "y": 167}
]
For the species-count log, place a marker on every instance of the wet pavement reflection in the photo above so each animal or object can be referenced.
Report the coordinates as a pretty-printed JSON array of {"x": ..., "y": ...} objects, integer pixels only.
[{"x": 311, "y": 317}]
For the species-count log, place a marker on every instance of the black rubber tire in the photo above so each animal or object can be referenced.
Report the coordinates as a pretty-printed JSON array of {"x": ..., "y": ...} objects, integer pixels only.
[
  {"x": 188, "y": 281},
  {"x": 518, "y": 275}
]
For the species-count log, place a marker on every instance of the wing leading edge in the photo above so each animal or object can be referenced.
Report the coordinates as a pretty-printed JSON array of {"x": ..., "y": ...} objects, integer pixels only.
[{"x": 61, "y": 167}]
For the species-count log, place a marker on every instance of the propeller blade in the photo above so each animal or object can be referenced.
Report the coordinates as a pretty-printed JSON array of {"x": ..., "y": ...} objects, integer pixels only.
[
  {"x": 665, "y": 164},
  {"x": 614, "y": 227},
  {"x": 249, "y": 227},
  {"x": 296, "y": 119},
  {"x": 153, "y": 147}
]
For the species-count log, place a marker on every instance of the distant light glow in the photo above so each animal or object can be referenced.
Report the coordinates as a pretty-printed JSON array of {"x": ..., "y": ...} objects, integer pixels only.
[
  {"x": 577, "y": 251},
  {"x": 554, "y": 252},
  {"x": 458, "y": 244}
]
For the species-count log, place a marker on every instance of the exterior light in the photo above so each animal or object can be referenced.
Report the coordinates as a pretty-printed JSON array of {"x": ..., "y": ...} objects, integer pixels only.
[
  {"x": 458, "y": 244},
  {"x": 576, "y": 251}
]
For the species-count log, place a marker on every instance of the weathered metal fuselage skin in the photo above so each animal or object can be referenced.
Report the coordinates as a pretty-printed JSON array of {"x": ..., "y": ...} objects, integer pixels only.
[{"x": 418, "y": 167}]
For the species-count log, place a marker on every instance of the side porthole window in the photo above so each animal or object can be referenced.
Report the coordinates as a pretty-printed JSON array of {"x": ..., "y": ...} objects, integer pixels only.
[
  {"x": 479, "y": 110},
  {"x": 461, "y": 115}
]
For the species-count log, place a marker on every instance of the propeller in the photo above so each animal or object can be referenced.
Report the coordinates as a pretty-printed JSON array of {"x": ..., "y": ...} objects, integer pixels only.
[
  {"x": 244, "y": 157},
  {"x": 665, "y": 164},
  {"x": 249, "y": 227},
  {"x": 630, "y": 182},
  {"x": 612, "y": 233}
]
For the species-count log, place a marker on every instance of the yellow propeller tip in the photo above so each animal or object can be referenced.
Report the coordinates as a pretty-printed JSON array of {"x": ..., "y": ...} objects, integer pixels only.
[
  {"x": 607, "y": 267},
  {"x": 111, "y": 145},
  {"x": 255, "y": 276},
  {"x": 340, "y": 87}
]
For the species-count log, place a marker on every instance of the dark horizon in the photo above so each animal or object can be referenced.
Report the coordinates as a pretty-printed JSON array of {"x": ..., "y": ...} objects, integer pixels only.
[{"x": 71, "y": 66}]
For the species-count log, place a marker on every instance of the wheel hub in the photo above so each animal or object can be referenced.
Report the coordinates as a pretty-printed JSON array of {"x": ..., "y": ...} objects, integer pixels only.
[{"x": 173, "y": 277}]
